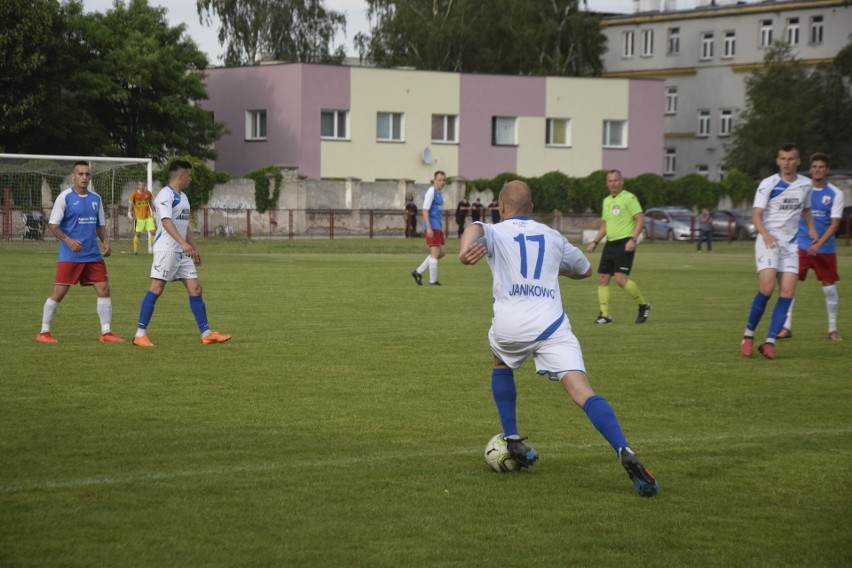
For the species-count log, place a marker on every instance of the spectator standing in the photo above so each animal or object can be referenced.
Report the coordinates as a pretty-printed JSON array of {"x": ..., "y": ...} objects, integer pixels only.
[
  {"x": 461, "y": 214},
  {"x": 705, "y": 230}
]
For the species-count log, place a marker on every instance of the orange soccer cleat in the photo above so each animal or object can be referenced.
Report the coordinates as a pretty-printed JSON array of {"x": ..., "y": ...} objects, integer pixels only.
[
  {"x": 45, "y": 337},
  {"x": 142, "y": 341},
  {"x": 214, "y": 337},
  {"x": 110, "y": 337}
]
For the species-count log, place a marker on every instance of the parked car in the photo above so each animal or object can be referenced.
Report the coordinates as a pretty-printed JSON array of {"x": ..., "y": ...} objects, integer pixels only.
[
  {"x": 672, "y": 223},
  {"x": 736, "y": 221}
]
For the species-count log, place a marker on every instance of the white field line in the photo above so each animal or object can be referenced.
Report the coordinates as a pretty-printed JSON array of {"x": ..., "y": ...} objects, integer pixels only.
[{"x": 346, "y": 460}]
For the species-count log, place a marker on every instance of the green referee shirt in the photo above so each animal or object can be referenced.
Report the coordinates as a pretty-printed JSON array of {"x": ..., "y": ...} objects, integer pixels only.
[{"x": 618, "y": 215}]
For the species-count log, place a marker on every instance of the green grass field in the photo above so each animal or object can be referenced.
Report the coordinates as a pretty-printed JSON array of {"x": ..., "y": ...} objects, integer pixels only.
[{"x": 344, "y": 423}]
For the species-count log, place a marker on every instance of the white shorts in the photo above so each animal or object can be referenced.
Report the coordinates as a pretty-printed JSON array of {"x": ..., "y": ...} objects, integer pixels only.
[
  {"x": 553, "y": 356},
  {"x": 782, "y": 257},
  {"x": 170, "y": 265}
]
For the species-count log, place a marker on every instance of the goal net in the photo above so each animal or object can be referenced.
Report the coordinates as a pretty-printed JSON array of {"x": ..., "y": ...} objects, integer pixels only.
[{"x": 29, "y": 184}]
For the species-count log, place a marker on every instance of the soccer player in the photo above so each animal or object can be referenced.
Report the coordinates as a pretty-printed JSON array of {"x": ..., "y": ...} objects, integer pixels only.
[
  {"x": 820, "y": 254},
  {"x": 622, "y": 222},
  {"x": 141, "y": 209},
  {"x": 433, "y": 214},
  {"x": 175, "y": 257},
  {"x": 780, "y": 202},
  {"x": 526, "y": 259},
  {"x": 77, "y": 221}
]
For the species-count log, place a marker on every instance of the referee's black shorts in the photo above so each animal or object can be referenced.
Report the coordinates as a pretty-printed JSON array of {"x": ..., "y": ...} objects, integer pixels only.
[{"x": 615, "y": 259}]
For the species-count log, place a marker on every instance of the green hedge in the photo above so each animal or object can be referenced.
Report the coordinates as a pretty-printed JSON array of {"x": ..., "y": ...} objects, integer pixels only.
[{"x": 555, "y": 190}]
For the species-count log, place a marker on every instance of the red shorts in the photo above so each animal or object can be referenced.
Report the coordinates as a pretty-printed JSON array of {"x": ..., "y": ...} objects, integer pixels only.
[
  {"x": 824, "y": 265},
  {"x": 86, "y": 273},
  {"x": 437, "y": 239}
]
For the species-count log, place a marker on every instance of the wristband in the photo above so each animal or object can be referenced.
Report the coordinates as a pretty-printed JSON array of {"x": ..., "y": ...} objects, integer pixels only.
[{"x": 633, "y": 239}]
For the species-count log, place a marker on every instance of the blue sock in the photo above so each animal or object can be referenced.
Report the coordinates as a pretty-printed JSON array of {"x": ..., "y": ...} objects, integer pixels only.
[
  {"x": 779, "y": 316},
  {"x": 758, "y": 306},
  {"x": 146, "y": 311},
  {"x": 199, "y": 310},
  {"x": 505, "y": 396},
  {"x": 603, "y": 418}
]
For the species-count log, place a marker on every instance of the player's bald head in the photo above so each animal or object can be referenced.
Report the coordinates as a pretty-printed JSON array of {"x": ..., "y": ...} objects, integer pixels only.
[{"x": 516, "y": 198}]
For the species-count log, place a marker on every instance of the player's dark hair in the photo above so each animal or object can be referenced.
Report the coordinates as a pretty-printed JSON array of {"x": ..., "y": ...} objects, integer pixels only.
[
  {"x": 789, "y": 147},
  {"x": 79, "y": 163},
  {"x": 178, "y": 165},
  {"x": 439, "y": 172},
  {"x": 615, "y": 172},
  {"x": 820, "y": 157}
]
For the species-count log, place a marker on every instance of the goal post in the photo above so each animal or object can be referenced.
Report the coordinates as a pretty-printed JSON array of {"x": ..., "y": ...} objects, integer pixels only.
[{"x": 29, "y": 183}]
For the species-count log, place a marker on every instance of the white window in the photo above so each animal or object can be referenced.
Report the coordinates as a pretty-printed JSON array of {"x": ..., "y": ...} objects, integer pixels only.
[
  {"x": 707, "y": 45},
  {"x": 723, "y": 171},
  {"x": 703, "y": 170},
  {"x": 703, "y": 123},
  {"x": 389, "y": 126},
  {"x": 334, "y": 124},
  {"x": 793, "y": 31},
  {"x": 671, "y": 100},
  {"x": 647, "y": 43},
  {"x": 816, "y": 29},
  {"x": 765, "y": 33},
  {"x": 503, "y": 131},
  {"x": 615, "y": 134},
  {"x": 670, "y": 161},
  {"x": 444, "y": 128},
  {"x": 255, "y": 125},
  {"x": 627, "y": 39},
  {"x": 729, "y": 47},
  {"x": 558, "y": 132},
  {"x": 726, "y": 122},
  {"x": 674, "y": 41}
]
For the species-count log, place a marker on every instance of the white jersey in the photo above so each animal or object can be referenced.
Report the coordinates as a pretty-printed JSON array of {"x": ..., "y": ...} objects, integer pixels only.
[
  {"x": 525, "y": 258},
  {"x": 172, "y": 205},
  {"x": 782, "y": 203}
]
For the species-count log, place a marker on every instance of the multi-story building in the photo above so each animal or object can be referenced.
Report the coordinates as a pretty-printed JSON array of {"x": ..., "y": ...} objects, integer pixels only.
[
  {"x": 706, "y": 53},
  {"x": 337, "y": 122}
]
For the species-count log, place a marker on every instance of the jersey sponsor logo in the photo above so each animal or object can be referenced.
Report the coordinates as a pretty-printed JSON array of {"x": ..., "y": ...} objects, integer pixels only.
[
  {"x": 532, "y": 290},
  {"x": 87, "y": 220},
  {"x": 790, "y": 204}
]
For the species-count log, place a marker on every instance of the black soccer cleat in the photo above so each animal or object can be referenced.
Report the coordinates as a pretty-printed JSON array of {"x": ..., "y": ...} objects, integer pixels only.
[
  {"x": 417, "y": 277},
  {"x": 642, "y": 479},
  {"x": 524, "y": 455},
  {"x": 603, "y": 320},
  {"x": 644, "y": 312},
  {"x": 435, "y": 283}
]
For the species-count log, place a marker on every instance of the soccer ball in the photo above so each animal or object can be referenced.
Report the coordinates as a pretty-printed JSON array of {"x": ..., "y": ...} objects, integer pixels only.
[{"x": 497, "y": 455}]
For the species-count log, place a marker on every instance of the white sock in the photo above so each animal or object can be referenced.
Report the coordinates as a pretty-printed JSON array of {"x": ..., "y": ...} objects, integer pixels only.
[
  {"x": 433, "y": 269},
  {"x": 48, "y": 314},
  {"x": 105, "y": 313},
  {"x": 788, "y": 323},
  {"x": 423, "y": 266},
  {"x": 832, "y": 303}
]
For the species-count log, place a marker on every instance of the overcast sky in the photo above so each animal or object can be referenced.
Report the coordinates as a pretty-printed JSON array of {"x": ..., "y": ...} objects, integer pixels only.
[{"x": 184, "y": 11}]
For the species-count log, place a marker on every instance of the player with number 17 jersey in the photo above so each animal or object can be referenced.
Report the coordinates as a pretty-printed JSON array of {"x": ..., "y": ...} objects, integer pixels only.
[
  {"x": 172, "y": 205},
  {"x": 526, "y": 258}
]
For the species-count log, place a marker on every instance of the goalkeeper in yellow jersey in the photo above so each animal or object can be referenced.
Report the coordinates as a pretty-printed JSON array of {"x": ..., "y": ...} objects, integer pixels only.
[{"x": 141, "y": 213}]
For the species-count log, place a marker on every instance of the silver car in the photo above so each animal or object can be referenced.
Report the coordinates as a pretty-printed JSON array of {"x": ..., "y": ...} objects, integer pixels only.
[
  {"x": 672, "y": 223},
  {"x": 734, "y": 222}
]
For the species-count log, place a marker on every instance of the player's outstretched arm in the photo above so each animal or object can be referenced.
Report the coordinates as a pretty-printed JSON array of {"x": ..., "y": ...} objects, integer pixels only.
[{"x": 471, "y": 249}]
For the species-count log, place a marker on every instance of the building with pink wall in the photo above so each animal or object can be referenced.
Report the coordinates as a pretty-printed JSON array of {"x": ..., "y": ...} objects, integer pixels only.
[{"x": 332, "y": 121}]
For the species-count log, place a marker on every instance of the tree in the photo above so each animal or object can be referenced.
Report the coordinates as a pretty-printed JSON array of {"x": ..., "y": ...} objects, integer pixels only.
[
  {"x": 123, "y": 83},
  {"x": 533, "y": 37},
  {"x": 24, "y": 69},
  {"x": 288, "y": 30},
  {"x": 787, "y": 101}
]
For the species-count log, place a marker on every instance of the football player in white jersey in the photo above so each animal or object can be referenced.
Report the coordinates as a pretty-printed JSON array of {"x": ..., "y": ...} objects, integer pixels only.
[
  {"x": 526, "y": 259},
  {"x": 780, "y": 202},
  {"x": 175, "y": 257},
  {"x": 820, "y": 254}
]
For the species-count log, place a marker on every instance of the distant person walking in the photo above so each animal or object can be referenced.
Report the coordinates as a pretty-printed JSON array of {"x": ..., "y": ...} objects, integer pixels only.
[
  {"x": 433, "y": 215},
  {"x": 705, "y": 230}
]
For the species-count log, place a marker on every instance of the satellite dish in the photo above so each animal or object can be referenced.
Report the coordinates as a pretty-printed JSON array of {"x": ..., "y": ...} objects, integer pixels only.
[{"x": 427, "y": 157}]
